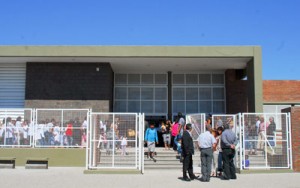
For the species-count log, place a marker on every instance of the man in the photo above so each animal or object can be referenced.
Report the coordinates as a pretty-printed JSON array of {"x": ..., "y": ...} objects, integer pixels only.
[
  {"x": 206, "y": 142},
  {"x": 151, "y": 138},
  {"x": 187, "y": 153},
  {"x": 271, "y": 131},
  {"x": 228, "y": 141}
]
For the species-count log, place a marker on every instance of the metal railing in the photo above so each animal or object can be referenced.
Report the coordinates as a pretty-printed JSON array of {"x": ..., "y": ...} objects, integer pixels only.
[
  {"x": 261, "y": 147},
  {"x": 16, "y": 127},
  {"x": 43, "y": 127},
  {"x": 115, "y": 141}
]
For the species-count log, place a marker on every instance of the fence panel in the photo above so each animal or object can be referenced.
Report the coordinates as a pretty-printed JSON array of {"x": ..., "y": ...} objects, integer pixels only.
[
  {"x": 114, "y": 140},
  {"x": 198, "y": 124},
  {"x": 16, "y": 127},
  {"x": 266, "y": 141},
  {"x": 60, "y": 127}
]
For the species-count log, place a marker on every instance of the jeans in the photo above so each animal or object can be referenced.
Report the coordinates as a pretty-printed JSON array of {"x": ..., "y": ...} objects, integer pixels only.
[{"x": 220, "y": 162}]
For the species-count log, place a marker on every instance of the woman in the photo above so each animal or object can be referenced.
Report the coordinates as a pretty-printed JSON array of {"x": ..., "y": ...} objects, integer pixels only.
[
  {"x": 214, "y": 163},
  {"x": 174, "y": 134},
  {"x": 218, "y": 148},
  {"x": 165, "y": 129}
]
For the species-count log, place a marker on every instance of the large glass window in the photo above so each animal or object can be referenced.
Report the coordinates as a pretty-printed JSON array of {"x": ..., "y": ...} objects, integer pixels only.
[
  {"x": 198, "y": 93},
  {"x": 145, "y": 93}
]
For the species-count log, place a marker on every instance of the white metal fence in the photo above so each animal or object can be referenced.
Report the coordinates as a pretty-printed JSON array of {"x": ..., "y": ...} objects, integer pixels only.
[
  {"x": 115, "y": 140},
  {"x": 233, "y": 122},
  {"x": 266, "y": 141},
  {"x": 16, "y": 127},
  {"x": 263, "y": 139},
  {"x": 198, "y": 124},
  {"x": 43, "y": 127},
  {"x": 60, "y": 127}
]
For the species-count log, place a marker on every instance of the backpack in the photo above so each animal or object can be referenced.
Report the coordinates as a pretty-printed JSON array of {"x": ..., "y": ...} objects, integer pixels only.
[{"x": 175, "y": 129}]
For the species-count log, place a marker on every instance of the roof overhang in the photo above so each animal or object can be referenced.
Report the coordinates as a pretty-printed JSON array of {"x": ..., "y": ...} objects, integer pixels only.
[{"x": 136, "y": 58}]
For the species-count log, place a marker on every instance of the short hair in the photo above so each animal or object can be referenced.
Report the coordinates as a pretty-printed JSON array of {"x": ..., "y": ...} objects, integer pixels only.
[
  {"x": 179, "y": 114},
  {"x": 220, "y": 128},
  {"x": 188, "y": 126}
]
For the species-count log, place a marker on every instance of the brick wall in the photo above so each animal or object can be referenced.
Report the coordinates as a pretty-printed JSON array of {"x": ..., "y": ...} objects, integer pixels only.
[
  {"x": 295, "y": 130},
  {"x": 95, "y": 105},
  {"x": 287, "y": 91},
  {"x": 236, "y": 93},
  {"x": 69, "y": 82}
]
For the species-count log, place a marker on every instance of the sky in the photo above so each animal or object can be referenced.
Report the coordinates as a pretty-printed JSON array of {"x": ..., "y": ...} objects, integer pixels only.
[{"x": 272, "y": 24}]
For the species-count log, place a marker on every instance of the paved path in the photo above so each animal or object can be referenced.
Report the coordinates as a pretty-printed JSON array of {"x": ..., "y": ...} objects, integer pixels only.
[{"x": 74, "y": 178}]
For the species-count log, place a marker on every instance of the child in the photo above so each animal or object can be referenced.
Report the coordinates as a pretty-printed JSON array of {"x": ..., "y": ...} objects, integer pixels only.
[
  {"x": 247, "y": 162},
  {"x": 179, "y": 150},
  {"x": 151, "y": 138},
  {"x": 123, "y": 145}
]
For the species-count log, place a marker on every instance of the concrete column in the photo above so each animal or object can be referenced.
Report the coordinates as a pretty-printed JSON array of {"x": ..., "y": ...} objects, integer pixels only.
[{"x": 255, "y": 88}]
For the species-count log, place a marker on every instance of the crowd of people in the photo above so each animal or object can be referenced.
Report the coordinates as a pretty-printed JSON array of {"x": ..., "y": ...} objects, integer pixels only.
[
  {"x": 257, "y": 132},
  {"x": 171, "y": 134},
  {"x": 114, "y": 136},
  {"x": 21, "y": 132},
  {"x": 217, "y": 151},
  {"x": 217, "y": 146}
]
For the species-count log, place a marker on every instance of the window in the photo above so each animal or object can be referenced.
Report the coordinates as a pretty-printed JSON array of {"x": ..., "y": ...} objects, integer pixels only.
[
  {"x": 198, "y": 93},
  {"x": 147, "y": 93}
]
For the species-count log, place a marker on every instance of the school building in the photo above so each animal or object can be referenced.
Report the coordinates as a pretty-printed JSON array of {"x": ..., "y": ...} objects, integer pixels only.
[{"x": 159, "y": 81}]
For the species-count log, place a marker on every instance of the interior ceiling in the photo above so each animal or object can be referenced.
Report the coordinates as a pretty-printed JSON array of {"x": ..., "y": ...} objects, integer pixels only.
[{"x": 146, "y": 64}]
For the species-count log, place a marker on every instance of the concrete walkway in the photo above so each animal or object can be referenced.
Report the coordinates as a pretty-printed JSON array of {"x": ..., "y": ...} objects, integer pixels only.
[{"x": 58, "y": 177}]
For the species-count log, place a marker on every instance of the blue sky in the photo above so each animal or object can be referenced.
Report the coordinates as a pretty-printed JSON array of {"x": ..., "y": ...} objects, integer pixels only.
[{"x": 272, "y": 24}]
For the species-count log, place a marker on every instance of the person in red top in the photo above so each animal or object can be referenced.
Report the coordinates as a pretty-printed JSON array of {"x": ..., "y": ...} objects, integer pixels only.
[{"x": 69, "y": 133}]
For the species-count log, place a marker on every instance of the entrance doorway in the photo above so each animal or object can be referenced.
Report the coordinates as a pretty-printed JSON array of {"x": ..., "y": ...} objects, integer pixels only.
[{"x": 156, "y": 120}]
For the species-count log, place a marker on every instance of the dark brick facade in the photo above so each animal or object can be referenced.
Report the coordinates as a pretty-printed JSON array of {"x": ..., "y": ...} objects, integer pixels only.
[
  {"x": 69, "y": 81},
  {"x": 236, "y": 92}
]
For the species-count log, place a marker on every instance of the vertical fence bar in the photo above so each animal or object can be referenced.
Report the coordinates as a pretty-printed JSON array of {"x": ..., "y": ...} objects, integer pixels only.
[
  {"x": 140, "y": 143},
  {"x": 266, "y": 143},
  {"x": 136, "y": 140},
  {"x": 143, "y": 136},
  {"x": 5, "y": 127},
  {"x": 241, "y": 122},
  {"x": 287, "y": 139},
  {"x": 113, "y": 143},
  {"x": 87, "y": 140},
  {"x": 290, "y": 141},
  {"x": 243, "y": 143}
]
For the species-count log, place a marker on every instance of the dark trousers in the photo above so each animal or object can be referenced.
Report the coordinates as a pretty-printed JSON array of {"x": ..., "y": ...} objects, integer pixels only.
[
  {"x": 188, "y": 165},
  {"x": 220, "y": 162},
  {"x": 206, "y": 160},
  {"x": 229, "y": 168}
]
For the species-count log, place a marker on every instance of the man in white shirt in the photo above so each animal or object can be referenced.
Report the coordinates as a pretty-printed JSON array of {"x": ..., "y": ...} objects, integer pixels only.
[{"x": 206, "y": 143}]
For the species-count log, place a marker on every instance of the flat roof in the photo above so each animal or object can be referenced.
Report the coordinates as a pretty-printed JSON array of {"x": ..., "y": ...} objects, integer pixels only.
[{"x": 137, "y": 58}]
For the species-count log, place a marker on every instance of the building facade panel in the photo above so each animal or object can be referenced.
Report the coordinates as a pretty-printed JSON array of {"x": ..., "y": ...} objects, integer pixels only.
[{"x": 12, "y": 85}]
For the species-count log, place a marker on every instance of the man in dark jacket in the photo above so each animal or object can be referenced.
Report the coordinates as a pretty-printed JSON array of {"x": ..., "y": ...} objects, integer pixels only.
[
  {"x": 187, "y": 153},
  {"x": 228, "y": 141}
]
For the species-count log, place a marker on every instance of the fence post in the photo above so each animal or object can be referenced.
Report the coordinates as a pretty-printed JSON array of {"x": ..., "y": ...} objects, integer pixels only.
[
  {"x": 290, "y": 141},
  {"x": 241, "y": 122}
]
